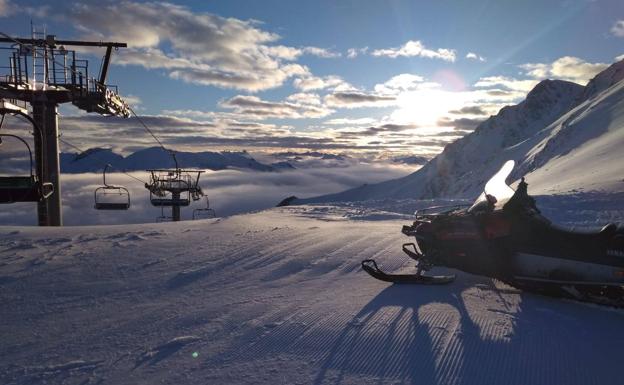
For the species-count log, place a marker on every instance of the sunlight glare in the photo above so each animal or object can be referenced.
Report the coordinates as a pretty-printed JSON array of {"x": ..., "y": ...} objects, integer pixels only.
[{"x": 425, "y": 107}]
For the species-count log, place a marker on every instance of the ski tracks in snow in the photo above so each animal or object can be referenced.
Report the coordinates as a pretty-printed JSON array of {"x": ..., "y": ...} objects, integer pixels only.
[{"x": 276, "y": 298}]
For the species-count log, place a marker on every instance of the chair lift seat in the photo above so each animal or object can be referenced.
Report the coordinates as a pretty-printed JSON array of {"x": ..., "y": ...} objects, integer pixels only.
[
  {"x": 103, "y": 194},
  {"x": 112, "y": 206},
  {"x": 23, "y": 189}
]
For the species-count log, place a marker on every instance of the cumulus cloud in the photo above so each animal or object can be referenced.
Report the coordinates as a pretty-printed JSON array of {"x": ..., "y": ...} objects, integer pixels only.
[
  {"x": 357, "y": 99},
  {"x": 618, "y": 28},
  {"x": 416, "y": 48},
  {"x": 195, "y": 47},
  {"x": 566, "y": 68},
  {"x": 474, "y": 56}
]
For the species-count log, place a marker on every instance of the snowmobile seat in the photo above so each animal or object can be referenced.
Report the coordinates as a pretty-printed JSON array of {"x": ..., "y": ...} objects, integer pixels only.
[{"x": 605, "y": 231}]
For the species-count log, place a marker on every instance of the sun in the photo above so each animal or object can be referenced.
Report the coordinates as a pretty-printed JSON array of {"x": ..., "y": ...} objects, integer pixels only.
[{"x": 425, "y": 107}]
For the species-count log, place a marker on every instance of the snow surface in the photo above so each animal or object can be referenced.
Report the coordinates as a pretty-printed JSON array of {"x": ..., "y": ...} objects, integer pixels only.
[{"x": 276, "y": 297}]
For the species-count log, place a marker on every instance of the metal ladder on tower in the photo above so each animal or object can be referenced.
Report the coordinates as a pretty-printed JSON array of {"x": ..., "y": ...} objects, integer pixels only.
[{"x": 39, "y": 60}]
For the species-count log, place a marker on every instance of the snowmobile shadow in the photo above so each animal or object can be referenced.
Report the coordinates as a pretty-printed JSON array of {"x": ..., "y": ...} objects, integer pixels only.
[{"x": 475, "y": 335}]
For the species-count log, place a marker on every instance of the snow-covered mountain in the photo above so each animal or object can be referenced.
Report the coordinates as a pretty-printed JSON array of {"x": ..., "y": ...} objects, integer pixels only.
[
  {"x": 93, "y": 160},
  {"x": 564, "y": 137}
]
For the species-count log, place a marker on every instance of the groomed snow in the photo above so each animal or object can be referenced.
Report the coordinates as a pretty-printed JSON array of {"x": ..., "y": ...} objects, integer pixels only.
[{"x": 275, "y": 297}]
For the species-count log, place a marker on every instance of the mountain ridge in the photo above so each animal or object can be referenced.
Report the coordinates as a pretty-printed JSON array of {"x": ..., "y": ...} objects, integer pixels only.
[
  {"x": 94, "y": 160},
  {"x": 555, "y": 115}
]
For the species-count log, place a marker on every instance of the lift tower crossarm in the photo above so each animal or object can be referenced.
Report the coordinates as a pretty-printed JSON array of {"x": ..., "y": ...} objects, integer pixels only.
[
  {"x": 52, "y": 42},
  {"x": 55, "y": 76}
]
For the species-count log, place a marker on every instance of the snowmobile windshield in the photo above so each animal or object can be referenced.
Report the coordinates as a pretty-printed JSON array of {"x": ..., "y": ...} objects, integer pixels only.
[{"x": 496, "y": 191}]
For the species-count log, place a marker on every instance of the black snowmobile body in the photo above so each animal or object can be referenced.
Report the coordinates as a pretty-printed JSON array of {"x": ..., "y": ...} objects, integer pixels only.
[{"x": 504, "y": 236}]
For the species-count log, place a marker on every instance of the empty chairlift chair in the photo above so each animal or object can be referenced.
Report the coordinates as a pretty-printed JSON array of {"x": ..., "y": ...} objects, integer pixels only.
[
  {"x": 109, "y": 197},
  {"x": 23, "y": 188},
  {"x": 205, "y": 212}
]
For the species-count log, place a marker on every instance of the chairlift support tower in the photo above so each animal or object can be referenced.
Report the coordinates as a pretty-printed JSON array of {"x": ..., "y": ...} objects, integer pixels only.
[{"x": 44, "y": 73}]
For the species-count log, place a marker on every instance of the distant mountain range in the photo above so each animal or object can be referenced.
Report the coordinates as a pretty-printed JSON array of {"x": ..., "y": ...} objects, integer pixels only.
[
  {"x": 564, "y": 137},
  {"x": 94, "y": 160}
]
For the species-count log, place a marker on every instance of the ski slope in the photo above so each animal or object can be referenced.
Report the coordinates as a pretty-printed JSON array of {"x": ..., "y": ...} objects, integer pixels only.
[{"x": 276, "y": 297}]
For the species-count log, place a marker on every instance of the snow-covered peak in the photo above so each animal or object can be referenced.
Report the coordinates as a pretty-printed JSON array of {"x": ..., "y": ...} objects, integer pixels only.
[
  {"x": 556, "y": 121},
  {"x": 93, "y": 160},
  {"x": 548, "y": 100},
  {"x": 605, "y": 79}
]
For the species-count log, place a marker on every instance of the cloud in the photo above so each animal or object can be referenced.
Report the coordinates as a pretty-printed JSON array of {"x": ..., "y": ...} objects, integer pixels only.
[
  {"x": 197, "y": 47},
  {"x": 230, "y": 192},
  {"x": 299, "y": 106},
  {"x": 416, "y": 48},
  {"x": 321, "y": 52},
  {"x": 470, "y": 110},
  {"x": 349, "y": 121},
  {"x": 618, "y": 28},
  {"x": 404, "y": 83},
  {"x": 507, "y": 82},
  {"x": 618, "y": 58},
  {"x": 352, "y": 53},
  {"x": 357, "y": 99},
  {"x": 309, "y": 83},
  {"x": 464, "y": 124},
  {"x": 376, "y": 130},
  {"x": 248, "y": 81},
  {"x": 6, "y": 8},
  {"x": 474, "y": 56},
  {"x": 566, "y": 68}
]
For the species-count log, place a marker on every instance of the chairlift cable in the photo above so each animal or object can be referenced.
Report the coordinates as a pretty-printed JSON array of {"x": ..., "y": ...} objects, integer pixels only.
[{"x": 147, "y": 128}]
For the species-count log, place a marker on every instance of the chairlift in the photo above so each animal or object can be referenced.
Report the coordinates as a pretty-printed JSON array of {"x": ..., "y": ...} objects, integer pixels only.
[
  {"x": 110, "y": 197},
  {"x": 205, "y": 212},
  {"x": 23, "y": 188},
  {"x": 173, "y": 187}
]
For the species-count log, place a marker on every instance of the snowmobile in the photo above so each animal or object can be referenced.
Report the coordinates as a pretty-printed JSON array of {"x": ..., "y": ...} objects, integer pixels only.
[{"x": 504, "y": 236}]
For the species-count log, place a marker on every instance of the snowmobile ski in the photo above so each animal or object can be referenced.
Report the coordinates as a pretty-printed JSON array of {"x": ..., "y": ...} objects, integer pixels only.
[{"x": 370, "y": 266}]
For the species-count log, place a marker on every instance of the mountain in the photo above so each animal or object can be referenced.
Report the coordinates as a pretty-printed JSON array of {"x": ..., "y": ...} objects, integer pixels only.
[
  {"x": 93, "y": 160},
  {"x": 563, "y": 137}
]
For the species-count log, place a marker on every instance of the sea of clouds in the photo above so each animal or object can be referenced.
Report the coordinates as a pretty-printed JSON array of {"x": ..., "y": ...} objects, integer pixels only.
[{"x": 230, "y": 192}]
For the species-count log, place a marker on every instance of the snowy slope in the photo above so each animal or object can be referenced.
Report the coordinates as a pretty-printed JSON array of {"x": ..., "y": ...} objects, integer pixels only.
[
  {"x": 276, "y": 297},
  {"x": 563, "y": 134}
]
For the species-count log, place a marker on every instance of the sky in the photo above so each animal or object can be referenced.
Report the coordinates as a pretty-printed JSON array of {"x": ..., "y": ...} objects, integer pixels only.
[{"x": 374, "y": 78}]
